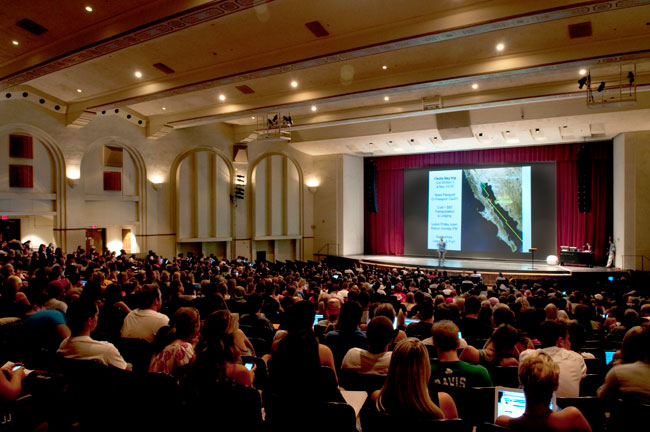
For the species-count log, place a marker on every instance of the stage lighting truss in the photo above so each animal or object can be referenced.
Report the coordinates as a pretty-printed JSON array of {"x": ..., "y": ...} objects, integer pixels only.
[
  {"x": 274, "y": 126},
  {"x": 610, "y": 90}
]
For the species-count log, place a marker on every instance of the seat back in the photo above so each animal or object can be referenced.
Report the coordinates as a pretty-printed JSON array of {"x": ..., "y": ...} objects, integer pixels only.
[
  {"x": 591, "y": 407},
  {"x": 505, "y": 376},
  {"x": 490, "y": 427},
  {"x": 475, "y": 405},
  {"x": 138, "y": 352},
  {"x": 352, "y": 380},
  {"x": 629, "y": 415},
  {"x": 261, "y": 346},
  {"x": 589, "y": 384},
  {"x": 595, "y": 365},
  {"x": 374, "y": 421}
]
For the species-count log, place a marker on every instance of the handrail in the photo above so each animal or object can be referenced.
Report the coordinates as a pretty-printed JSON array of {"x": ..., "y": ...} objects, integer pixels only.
[
  {"x": 643, "y": 257},
  {"x": 327, "y": 245}
]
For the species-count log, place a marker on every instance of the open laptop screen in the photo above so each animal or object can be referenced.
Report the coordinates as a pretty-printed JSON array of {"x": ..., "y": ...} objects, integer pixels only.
[{"x": 512, "y": 402}]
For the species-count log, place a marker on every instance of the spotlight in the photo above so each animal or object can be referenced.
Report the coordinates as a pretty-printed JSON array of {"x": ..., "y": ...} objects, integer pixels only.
[
  {"x": 601, "y": 87},
  {"x": 630, "y": 76},
  {"x": 287, "y": 120},
  {"x": 582, "y": 81}
]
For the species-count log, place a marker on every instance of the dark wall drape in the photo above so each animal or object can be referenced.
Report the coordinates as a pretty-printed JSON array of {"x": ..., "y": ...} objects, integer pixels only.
[{"x": 384, "y": 230}]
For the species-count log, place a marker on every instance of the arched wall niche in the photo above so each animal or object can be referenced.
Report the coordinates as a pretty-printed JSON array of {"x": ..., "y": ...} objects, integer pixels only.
[
  {"x": 277, "y": 214},
  {"x": 42, "y": 207},
  {"x": 203, "y": 214},
  {"x": 116, "y": 211}
]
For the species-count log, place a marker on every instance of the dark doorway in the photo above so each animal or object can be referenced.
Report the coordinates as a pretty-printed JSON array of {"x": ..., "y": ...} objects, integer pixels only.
[
  {"x": 96, "y": 237},
  {"x": 10, "y": 229}
]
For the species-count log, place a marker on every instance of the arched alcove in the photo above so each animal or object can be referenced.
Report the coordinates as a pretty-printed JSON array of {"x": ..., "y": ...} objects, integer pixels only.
[
  {"x": 201, "y": 185},
  {"x": 42, "y": 207},
  {"x": 277, "y": 207},
  {"x": 117, "y": 206}
]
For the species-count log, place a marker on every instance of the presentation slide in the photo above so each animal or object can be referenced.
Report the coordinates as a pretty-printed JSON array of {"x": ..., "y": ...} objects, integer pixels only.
[
  {"x": 481, "y": 211},
  {"x": 498, "y": 196}
]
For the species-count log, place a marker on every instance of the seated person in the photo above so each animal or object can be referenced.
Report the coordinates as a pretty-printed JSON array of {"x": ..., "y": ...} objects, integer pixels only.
[
  {"x": 555, "y": 339},
  {"x": 11, "y": 382},
  {"x": 539, "y": 376},
  {"x": 183, "y": 338},
  {"x": 406, "y": 391},
  {"x": 82, "y": 319},
  {"x": 296, "y": 371},
  {"x": 218, "y": 359},
  {"x": 376, "y": 359},
  {"x": 387, "y": 310},
  {"x": 255, "y": 319},
  {"x": 631, "y": 380},
  {"x": 144, "y": 322},
  {"x": 347, "y": 333},
  {"x": 449, "y": 370},
  {"x": 422, "y": 328},
  {"x": 502, "y": 349}
]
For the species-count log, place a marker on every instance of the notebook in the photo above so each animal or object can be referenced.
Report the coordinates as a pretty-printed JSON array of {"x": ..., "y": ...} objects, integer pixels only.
[{"x": 512, "y": 402}]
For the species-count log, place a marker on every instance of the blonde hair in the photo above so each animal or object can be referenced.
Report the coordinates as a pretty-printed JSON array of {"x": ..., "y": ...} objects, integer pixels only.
[
  {"x": 406, "y": 387},
  {"x": 539, "y": 376}
]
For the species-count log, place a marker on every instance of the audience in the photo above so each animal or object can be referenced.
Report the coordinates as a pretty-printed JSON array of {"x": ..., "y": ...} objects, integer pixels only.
[{"x": 136, "y": 297}]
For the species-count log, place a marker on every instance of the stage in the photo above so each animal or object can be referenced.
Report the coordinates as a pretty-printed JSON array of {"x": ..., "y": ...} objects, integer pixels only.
[{"x": 484, "y": 266}]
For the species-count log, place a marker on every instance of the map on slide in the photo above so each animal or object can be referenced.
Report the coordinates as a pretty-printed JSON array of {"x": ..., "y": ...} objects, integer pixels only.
[{"x": 499, "y": 190}]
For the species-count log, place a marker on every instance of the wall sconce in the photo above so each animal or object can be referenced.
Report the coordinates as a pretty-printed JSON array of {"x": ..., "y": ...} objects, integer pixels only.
[
  {"x": 73, "y": 173},
  {"x": 312, "y": 185},
  {"x": 156, "y": 180}
]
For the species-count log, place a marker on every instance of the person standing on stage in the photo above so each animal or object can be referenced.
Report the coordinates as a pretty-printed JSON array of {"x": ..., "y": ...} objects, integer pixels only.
[
  {"x": 611, "y": 253},
  {"x": 442, "y": 250}
]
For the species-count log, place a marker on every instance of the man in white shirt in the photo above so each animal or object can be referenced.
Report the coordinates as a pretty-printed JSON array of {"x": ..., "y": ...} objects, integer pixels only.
[
  {"x": 376, "y": 359},
  {"x": 554, "y": 336},
  {"x": 82, "y": 320},
  {"x": 145, "y": 323}
]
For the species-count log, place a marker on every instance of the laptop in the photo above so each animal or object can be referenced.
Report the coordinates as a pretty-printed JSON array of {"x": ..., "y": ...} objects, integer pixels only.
[
  {"x": 609, "y": 356},
  {"x": 317, "y": 318},
  {"x": 512, "y": 402}
]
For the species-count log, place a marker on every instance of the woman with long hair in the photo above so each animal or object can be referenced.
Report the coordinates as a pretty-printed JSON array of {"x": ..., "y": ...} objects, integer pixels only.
[
  {"x": 406, "y": 391},
  {"x": 182, "y": 339},
  {"x": 218, "y": 359}
]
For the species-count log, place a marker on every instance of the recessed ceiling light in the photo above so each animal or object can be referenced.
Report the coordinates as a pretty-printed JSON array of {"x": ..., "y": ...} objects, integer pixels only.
[
  {"x": 386, "y": 98},
  {"x": 582, "y": 71},
  {"x": 500, "y": 47},
  {"x": 164, "y": 108},
  {"x": 314, "y": 108},
  {"x": 294, "y": 84},
  {"x": 89, "y": 9},
  {"x": 78, "y": 90},
  {"x": 384, "y": 67},
  {"x": 474, "y": 86},
  {"x": 138, "y": 74},
  {"x": 222, "y": 97},
  {"x": 15, "y": 42},
  {"x": 252, "y": 117}
]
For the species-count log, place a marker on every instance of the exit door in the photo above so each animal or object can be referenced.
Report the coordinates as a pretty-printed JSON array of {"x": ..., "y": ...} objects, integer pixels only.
[
  {"x": 96, "y": 237},
  {"x": 10, "y": 229}
]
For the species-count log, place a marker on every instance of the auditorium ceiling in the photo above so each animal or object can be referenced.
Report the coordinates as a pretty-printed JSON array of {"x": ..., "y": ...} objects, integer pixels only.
[{"x": 367, "y": 77}]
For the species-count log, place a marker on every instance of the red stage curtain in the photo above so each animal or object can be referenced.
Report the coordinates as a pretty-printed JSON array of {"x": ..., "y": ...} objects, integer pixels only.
[{"x": 384, "y": 230}]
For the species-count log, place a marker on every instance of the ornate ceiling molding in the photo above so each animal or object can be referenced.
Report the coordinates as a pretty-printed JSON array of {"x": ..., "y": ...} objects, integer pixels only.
[
  {"x": 208, "y": 12},
  {"x": 583, "y": 9}
]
